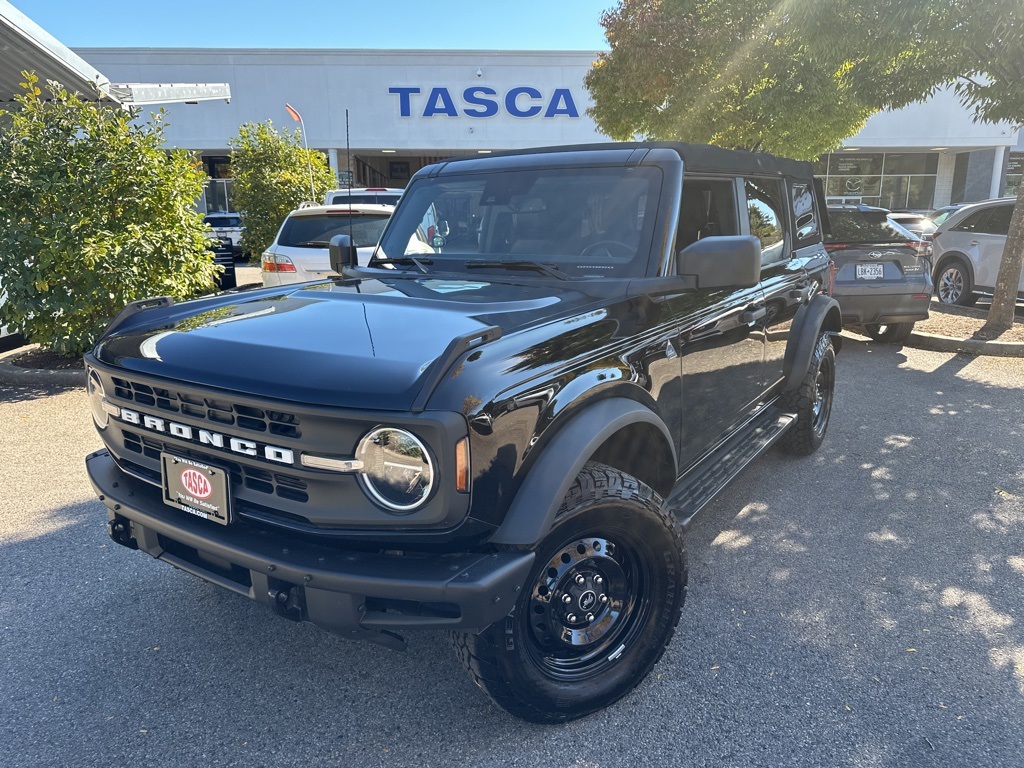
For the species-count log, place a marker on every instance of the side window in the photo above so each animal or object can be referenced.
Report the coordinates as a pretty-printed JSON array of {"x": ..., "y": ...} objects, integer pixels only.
[
  {"x": 708, "y": 209},
  {"x": 805, "y": 220},
  {"x": 765, "y": 214},
  {"x": 998, "y": 222},
  {"x": 976, "y": 222}
]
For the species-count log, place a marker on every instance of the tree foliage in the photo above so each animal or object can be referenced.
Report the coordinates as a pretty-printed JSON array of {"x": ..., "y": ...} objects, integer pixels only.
[
  {"x": 975, "y": 46},
  {"x": 271, "y": 171},
  {"x": 94, "y": 214},
  {"x": 729, "y": 72}
]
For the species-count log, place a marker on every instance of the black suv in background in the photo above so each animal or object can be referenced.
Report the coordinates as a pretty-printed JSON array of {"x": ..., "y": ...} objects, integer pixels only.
[
  {"x": 501, "y": 425},
  {"x": 882, "y": 278}
]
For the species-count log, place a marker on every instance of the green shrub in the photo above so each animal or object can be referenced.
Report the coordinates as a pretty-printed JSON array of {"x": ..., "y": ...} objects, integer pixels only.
[
  {"x": 271, "y": 172},
  {"x": 94, "y": 213}
]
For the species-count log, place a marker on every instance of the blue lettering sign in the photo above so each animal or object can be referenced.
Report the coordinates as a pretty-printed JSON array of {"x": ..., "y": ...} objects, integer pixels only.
[
  {"x": 513, "y": 108},
  {"x": 439, "y": 102},
  {"x": 483, "y": 101},
  {"x": 563, "y": 97},
  {"x": 470, "y": 96},
  {"x": 405, "y": 110}
]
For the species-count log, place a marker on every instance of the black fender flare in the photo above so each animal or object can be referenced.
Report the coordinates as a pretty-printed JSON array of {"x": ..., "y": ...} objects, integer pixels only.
[
  {"x": 820, "y": 314},
  {"x": 547, "y": 482}
]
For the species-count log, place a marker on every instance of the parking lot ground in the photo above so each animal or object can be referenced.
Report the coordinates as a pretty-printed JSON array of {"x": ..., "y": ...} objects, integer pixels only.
[{"x": 861, "y": 607}]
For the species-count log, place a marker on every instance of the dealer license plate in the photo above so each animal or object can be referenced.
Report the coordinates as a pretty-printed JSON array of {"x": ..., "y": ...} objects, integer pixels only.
[
  {"x": 196, "y": 488},
  {"x": 870, "y": 272}
]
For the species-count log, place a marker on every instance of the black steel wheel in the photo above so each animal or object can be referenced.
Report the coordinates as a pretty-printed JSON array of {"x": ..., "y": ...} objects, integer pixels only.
[
  {"x": 600, "y": 605},
  {"x": 953, "y": 283},
  {"x": 889, "y": 334},
  {"x": 811, "y": 401}
]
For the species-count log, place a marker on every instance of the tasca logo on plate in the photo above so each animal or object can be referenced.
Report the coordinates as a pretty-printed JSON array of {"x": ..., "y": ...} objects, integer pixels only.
[{"x": 195, "y": 482}]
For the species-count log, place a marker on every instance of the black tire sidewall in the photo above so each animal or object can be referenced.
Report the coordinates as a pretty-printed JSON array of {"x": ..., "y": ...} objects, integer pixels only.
[{"x": 608, "y": 518}]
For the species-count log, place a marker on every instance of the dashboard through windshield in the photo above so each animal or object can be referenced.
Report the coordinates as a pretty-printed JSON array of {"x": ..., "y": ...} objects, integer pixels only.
[{"x": 582, "y": 222}]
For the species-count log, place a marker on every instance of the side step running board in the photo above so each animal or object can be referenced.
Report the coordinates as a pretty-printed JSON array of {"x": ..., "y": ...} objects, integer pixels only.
[{"x": 702, "y": 483}]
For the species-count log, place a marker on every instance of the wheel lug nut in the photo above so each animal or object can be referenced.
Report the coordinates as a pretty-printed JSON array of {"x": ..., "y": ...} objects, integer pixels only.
[
  {"x": 604, "y": 598},
  {"x": 598, "y": 580},
  {"x": 571, "y": 618},
  {"x": 566, "y": 599},
  {"x": 590, "y": 617},
  {"x": 580, "y": 580}
]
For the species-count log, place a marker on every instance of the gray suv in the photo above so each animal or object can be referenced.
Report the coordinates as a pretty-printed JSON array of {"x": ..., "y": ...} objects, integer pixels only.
[{"x": 882, "y": 277}]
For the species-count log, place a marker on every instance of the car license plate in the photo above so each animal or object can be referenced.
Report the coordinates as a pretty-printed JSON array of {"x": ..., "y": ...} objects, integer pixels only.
[
  {"x": 870, "y": 271},
  {"x": 196, "y": 488}
]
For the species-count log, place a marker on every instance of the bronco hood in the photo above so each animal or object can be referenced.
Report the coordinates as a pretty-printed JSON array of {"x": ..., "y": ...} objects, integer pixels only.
[{"x": 356, "y": 344}]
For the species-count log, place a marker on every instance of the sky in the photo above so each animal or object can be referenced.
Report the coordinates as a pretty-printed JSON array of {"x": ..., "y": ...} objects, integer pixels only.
[{"x": 401, "y": 24}]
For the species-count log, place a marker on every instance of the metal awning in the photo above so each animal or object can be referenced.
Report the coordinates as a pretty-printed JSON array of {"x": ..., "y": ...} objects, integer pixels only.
[{"x": 24, "y": 45}]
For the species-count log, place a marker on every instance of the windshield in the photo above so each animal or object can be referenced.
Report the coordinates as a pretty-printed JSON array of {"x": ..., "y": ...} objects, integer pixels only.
[
  {"x": 317, "y": 231},
  {"x": 865, "y": 227},
  {"x": 223, "y": 221},
  {"x": 584, "y": 222}
]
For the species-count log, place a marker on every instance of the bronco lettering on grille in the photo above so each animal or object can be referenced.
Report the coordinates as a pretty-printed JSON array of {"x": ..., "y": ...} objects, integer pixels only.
[{"x": 206, "y": 437}]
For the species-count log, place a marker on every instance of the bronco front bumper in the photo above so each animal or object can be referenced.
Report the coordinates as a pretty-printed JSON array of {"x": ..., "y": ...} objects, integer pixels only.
[{"x": 358, "y": 595}]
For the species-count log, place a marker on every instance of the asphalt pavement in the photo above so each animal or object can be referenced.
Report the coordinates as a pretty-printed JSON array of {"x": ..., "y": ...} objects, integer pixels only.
[{"x": 856, "y": 608}]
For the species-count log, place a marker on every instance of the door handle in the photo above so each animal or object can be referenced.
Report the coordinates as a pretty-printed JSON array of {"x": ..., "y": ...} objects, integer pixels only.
[{"x": 752, "y": 315}]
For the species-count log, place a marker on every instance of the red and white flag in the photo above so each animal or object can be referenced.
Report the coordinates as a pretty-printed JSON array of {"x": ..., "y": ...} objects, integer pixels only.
[{"x": 293, "y": 112}]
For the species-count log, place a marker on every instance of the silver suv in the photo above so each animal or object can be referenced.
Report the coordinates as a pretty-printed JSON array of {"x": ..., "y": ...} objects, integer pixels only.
[{"x": 968, "y": 247}]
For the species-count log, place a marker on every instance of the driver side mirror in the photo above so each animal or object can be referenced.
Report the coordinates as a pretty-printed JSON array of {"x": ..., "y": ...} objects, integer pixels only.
[
  {"x": 732, "y": 261},
  {"x": 343, "y": 253}
]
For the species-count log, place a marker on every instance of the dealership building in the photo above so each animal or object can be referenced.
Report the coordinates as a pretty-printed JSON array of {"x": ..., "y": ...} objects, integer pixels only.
[{"x": 406, "y": 109}]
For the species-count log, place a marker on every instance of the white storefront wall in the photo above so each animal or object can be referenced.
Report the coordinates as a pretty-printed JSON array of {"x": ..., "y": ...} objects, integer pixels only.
[{"x": 459, "y": 102}]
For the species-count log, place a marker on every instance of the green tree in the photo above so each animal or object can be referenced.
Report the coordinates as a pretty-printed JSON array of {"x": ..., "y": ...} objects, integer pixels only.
[
  {"x": 271, "y": 171},
  {"x": 94, "y": 213},
  {"x": 734, "y": 73},
  {"x": 975, "y": 46}
]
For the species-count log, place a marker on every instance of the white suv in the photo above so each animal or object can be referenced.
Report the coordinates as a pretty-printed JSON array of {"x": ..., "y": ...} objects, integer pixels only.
[
  {"x": 300, "y": 253},
  {"x": 967, "y": 250}
]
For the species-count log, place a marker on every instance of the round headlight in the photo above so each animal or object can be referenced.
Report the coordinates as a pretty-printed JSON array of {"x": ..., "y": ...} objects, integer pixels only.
[
  {"x": 397, "y": 471},
  {"x": 94, "y": 387}
]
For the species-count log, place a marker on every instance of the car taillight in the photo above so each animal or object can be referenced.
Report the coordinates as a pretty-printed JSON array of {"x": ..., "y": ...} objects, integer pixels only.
[
  {"x": 834, "y": 247},
  {"x": 270, "y": 262},
  {"x": 921, "y": 248}
]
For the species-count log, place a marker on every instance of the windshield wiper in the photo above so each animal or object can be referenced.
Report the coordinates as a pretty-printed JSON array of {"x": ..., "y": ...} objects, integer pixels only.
[
  {"x": 536, "y": 266},
  {"x": 418, "y": 263}
]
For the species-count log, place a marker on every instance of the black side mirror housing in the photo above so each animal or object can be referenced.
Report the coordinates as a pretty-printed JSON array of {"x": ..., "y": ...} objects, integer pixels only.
[
  {"x": 343, "y": 253},
  {"x": 732, "y": 261}
]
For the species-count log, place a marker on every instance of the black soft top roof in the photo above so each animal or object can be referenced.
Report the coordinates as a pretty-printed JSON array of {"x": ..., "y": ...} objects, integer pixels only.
[{"x": 697, "y": 157}]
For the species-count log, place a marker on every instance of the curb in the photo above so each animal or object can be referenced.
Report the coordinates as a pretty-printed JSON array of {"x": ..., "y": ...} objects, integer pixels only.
[
  {"x": 36, "y": 377},
  {"x": 937, "y": 343}
]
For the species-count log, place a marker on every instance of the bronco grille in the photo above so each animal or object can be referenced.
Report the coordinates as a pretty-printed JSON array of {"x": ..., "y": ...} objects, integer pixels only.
[
  {"x": 253, "y": 478},
  {"x": 209, "y": 409}
]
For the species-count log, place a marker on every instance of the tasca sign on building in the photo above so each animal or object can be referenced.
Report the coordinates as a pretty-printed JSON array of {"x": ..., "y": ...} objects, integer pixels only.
[{"x": 481, "y": 101}]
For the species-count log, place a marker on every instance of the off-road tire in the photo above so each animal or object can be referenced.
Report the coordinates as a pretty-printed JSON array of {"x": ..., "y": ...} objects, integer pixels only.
[
  {"x": 525, "y": 665},
  {"x": 895, "y": 333},
  {"x": 811, "y": 401}
]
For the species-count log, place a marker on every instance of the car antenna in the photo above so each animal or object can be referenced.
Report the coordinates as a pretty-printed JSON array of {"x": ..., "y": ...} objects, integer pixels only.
[{"x": 348, "y": 164}]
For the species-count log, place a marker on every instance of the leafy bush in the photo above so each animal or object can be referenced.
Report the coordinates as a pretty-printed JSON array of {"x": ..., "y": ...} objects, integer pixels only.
[
  {"x": 271, "y": 172},
  {"x": 94, "y": 214}
]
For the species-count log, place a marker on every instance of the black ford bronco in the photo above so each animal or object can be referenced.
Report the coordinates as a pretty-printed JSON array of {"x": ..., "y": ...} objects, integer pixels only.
[{"x": 500, "y": 426}]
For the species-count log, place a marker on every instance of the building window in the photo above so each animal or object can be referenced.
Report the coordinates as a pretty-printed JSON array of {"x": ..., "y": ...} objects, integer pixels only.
[
  {"x": 893, "y": 180},
  {"x": 1014, "y": 173}
]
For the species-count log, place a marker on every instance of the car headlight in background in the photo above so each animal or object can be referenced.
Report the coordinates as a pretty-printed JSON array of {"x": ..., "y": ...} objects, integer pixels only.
[{"x": 397, "y": 470}]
